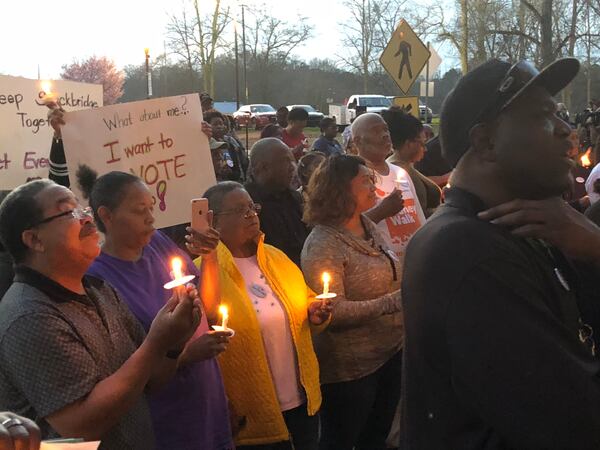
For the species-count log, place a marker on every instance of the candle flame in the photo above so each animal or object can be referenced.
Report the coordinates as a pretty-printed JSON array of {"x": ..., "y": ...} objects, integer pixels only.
[
  {"x": 585, "y": 158},
  {"x": 176, "y": 266},
  {"x": 223, "y": 311},
  {"x": 326, "y": 278},
  {"x": 46, "y": 87}
]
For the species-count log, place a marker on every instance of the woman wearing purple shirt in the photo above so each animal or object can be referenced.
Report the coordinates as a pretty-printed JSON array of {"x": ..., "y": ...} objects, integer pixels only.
[{"x": 190, "y": 412}]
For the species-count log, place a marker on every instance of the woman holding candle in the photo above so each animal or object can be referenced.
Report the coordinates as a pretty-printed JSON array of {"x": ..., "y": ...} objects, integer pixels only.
[
  {"x": 359, "y": 352},
  {"x": 270, "y": 369},
  {"x": 190, "y": 412}
]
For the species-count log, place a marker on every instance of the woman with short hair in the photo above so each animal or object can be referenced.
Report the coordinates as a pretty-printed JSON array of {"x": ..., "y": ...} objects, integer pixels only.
[
  {"x": 360, "y": 351},
  {"x": 270, "y": 369}
]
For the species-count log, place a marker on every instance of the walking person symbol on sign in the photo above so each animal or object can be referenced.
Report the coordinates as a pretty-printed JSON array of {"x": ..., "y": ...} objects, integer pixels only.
[{"x": 405, "y": 52}]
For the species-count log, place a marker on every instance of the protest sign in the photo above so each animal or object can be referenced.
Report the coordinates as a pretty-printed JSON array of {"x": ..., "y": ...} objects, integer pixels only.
[
  {"x": 160, "y": 140},
  {"x": 25, "y": 134}
]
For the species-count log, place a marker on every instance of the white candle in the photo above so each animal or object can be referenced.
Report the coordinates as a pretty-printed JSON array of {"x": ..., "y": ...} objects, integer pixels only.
[
  {"x": 326, "y": 280},
  {"x": 225, "y": 314},
  {"x": 179, "y": 278},
  {"x": 176, "y": 265}
]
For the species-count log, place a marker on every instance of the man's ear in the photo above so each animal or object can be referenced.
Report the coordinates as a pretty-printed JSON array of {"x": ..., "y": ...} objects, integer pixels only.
[
  {"x": 482, "y": 142},
  {"x": 32, "y": 241},
  {"x": 104, "y": 215}
]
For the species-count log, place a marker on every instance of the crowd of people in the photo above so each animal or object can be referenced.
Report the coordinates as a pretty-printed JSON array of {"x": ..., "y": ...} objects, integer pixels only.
[{"x": 466, "y": 293}]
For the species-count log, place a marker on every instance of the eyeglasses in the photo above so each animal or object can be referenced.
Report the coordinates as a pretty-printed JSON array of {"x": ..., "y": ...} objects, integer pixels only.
[
  {"x": 243, "y": 211},
  {"x": 78, "y": 213}
]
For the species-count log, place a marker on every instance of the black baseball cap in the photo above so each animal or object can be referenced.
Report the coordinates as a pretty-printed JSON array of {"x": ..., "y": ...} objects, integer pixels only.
[{"x": 483, "y": 93}]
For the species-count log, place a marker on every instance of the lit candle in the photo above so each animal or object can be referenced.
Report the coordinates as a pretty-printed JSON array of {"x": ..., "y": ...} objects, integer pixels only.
[
  {"x": 326, "y": 280},
  {"x": 225, "y": 314},
  {"x": 49, "y": 96},
  {"x": 326, "y": 294},
  {"x": 176, "y": 265},
  {"x": 177, "y": 273}
]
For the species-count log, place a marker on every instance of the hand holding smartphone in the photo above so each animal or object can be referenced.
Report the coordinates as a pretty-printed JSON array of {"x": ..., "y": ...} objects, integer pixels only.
[{"x": 200, "y": 215}]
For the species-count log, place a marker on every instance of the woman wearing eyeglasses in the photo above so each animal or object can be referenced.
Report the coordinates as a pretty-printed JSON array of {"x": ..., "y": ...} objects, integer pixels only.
[
  {"x": 360, "y": 351},
  {"x": 190, "y": 412},
  {"x": 270, "y": 369}
]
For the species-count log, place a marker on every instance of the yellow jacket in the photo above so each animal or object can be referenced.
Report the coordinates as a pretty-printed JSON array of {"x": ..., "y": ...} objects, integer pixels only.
[{"x": 244, "y": 365}]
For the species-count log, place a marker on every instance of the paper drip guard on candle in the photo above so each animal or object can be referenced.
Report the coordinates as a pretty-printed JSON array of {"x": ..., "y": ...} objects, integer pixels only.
[{"x": 178, "y": 277}]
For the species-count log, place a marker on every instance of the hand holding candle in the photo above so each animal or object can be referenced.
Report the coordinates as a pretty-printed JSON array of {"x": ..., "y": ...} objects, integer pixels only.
[
  {"x": 326, "y": 294},
  {"x": 179, "y": 278}
]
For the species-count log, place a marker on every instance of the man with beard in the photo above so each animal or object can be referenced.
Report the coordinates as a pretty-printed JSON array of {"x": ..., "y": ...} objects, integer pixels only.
[{"x": 496, "y": 355}]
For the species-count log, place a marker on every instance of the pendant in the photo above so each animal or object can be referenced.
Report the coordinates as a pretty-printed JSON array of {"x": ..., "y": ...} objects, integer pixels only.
[{"x": 258, "y": 290}]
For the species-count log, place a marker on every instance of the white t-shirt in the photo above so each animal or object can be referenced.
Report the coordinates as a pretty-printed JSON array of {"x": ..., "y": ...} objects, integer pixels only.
[
  {"x": 397, "y": 230},
  {"x": 589, "y": 184},
  {"x": 276, "y": 334}
]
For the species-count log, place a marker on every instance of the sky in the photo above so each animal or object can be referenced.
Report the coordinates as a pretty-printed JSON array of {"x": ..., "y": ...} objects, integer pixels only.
[{"x": 49, "y": 34}]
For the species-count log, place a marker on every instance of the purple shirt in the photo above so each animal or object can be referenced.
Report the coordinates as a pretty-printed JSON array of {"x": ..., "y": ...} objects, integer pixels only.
[{"x": 190, "y": 412}]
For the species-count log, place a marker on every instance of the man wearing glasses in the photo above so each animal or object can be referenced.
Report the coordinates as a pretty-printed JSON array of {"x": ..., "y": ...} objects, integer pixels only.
[
  {"x": 72, "y": 357},
  {"x": 496, "y": 354}
]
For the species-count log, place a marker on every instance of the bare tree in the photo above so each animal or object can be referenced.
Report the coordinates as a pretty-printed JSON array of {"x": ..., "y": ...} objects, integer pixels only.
[
  {"x": 196, "y": 38},
  {"x": 209, "y": 31},
  {"x": 271, "y": 40},
  {"x": 369, "y": 28},
  {"x": 359, "y": 36},
  {"x": 180, "y": 36}
]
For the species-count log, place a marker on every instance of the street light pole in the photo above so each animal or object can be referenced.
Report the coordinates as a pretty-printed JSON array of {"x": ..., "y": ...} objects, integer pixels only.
[
  {"x": 245, "y": 70},
  {"x": 148, "y": 73},
  {"x": 244, "y": 56},
  {"x": 237, "y": 66}
]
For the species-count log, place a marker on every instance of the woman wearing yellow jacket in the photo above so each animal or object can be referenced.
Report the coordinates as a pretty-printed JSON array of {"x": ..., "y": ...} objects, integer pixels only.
[{"x": 270, "y": 369}]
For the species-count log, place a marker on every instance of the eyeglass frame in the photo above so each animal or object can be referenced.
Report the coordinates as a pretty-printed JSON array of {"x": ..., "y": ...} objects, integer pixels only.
[
  {"x": 255, "y": 208},
  {"x": 78, "y": 213}
]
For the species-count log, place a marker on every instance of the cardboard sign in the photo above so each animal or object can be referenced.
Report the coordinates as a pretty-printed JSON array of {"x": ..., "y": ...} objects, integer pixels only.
[
  {"x": 25, "y": 134},
  {"x": 160, "y": 140}
]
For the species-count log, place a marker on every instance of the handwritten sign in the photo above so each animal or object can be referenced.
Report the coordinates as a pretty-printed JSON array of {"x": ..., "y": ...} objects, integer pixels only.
[
  {"x": 160, "y": 140},
  {"x": 25, "y": 134}
]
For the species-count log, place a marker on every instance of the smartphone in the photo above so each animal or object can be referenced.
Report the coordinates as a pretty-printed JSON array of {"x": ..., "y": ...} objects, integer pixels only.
[{"x": 200, "y": 214}]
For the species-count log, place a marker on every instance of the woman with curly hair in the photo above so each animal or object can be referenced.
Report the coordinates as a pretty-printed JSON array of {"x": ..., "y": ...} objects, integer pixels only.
[{"x": 360, "y": 351}]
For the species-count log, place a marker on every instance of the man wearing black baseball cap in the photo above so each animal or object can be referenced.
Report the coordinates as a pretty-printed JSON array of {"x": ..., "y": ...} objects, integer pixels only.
[{"x": 496, "y": 355}]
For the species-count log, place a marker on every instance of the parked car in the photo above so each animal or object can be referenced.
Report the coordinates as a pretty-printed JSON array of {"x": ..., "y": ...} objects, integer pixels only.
[
  {"x": 256, "y": 116},
  {"x": 367, "y": 103},
  {"x": 425, "y": 113},
  {"x": 314, "y": 116}
]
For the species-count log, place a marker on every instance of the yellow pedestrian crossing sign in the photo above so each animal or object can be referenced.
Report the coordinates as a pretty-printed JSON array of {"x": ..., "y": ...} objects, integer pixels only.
[
  {"x": 410, "y": 105},
  {"x": 404, "y": 56}
]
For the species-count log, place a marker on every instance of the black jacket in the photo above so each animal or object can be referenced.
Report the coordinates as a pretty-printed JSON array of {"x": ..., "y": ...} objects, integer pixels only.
[{"x": 492, "y": 357}]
